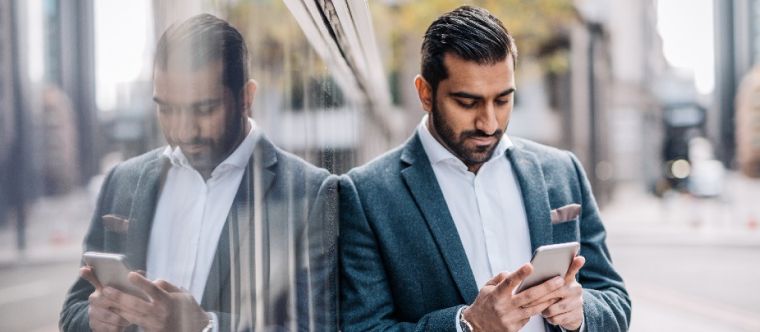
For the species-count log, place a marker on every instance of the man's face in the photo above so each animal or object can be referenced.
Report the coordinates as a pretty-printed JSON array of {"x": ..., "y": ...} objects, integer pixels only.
[
  {"x": 198, "y": 114},
  {"x": 471, "y": 108}
]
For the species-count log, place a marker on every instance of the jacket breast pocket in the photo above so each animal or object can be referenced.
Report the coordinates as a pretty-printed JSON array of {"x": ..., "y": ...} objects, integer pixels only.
[{"x": 567, "y": 231}]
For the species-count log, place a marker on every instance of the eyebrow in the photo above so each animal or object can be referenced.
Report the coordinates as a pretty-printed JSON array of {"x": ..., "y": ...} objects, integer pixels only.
[
  {"x": 207, "y": 102},
  {"x": 467, "y": 95}
]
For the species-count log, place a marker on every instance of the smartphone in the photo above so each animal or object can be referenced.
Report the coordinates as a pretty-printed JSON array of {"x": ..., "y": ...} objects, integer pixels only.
[
  {"x": 112, "y": 270},
  {"x": 548, "y": 262}
]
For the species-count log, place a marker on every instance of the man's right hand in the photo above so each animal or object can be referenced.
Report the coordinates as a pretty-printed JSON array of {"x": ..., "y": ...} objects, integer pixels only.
[
  {"x": 497, "y": 309},
  {"x": 102, "y": 318}
]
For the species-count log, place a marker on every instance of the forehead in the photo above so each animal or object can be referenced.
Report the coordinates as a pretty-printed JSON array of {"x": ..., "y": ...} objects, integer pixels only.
[
  {"x": 180, "y": 85},
  {"x": 476, "y": 78}
]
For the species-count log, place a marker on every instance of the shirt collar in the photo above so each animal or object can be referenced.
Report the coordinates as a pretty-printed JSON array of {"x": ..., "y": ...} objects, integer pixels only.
[
  {"x": 437, "y": 153},
  {"x": 238, "y": 158}
]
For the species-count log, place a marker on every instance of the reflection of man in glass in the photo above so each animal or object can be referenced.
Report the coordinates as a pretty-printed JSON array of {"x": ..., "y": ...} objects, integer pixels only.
[
  {"x": 218, "y": 219},
  {"x": 436, "y": 235}
]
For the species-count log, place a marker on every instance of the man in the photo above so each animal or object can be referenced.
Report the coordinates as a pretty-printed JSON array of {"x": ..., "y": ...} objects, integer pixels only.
[
  {"x": 435, "y": 235},
  {"x": 231, "y": 231}
]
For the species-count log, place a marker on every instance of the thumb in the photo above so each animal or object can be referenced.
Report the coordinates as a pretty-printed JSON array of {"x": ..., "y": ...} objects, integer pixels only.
[
  {"x": 575, "y": 266},
  {"x": 167, "y": 286},
  {"x": 497, "y": 279}
]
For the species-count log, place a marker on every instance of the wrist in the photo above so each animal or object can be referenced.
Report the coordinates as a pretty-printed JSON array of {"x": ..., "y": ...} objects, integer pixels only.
[
  {"x": 465, "y": 323},
  {"x": 208, "y": 322}
]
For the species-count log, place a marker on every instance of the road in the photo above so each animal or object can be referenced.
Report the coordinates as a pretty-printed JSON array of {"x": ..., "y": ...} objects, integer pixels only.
[
  {"x": 31, "y": 296},
  {"x": 691, "y": 287}
]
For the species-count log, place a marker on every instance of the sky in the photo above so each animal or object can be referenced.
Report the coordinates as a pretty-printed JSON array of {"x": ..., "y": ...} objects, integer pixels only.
[
  {"x": 122, "y": 29},
  {"x": 686, "y": 28}
]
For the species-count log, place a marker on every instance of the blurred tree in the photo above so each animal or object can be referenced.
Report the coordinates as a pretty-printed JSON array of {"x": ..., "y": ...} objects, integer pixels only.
[{"x": 532, "y": 23}]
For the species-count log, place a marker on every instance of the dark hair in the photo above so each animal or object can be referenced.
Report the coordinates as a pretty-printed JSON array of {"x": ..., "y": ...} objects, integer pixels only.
[
  {"x": 470, "y": 33},
  {"x": 200, "y": 40}
]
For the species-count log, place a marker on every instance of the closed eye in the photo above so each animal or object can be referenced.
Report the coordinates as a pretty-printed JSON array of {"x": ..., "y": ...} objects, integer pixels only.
[
  {"x": 502, "y": 102},
  {"x": 467, "y": 104}
]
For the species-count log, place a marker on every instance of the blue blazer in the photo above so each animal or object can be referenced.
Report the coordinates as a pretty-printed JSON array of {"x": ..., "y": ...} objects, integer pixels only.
[
  {"x": 299, "y": 218},
  {"x": 403, "y": 266}
]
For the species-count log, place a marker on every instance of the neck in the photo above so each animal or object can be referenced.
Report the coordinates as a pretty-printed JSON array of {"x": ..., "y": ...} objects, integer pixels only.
[
  {"x": 246, "y": 128},
  {"x": 472, "y": 167}
]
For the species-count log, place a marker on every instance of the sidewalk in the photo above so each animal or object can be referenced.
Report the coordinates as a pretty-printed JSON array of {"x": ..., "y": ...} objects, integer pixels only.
[
  {"x": 637, "y": 217},
  {"x": 55, "y": 229}
]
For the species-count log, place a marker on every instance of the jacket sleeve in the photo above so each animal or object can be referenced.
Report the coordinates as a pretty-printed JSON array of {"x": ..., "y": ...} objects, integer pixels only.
[
  {"x": 366, "y": 303},
  {"x": 607, "y": 306},
  {"x": 74, "y": 316},
  {"x": 318, "y": 285}
]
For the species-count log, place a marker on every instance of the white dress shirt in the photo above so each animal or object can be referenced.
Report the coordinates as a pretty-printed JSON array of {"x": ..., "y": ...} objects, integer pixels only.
[
  {"x": 190, "y": 215},
  {"x": 487, "y": 209}
]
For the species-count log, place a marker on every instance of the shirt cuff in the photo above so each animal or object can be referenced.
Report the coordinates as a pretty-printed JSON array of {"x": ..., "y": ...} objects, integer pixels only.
[
  {"x": 456, "y": 319},
  {"x": 581, "y": 329},
  {"x": 214, "y": 321}
]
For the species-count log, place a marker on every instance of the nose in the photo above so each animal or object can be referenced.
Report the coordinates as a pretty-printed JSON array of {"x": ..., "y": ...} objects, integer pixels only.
[
  {"x": 486, "y": 119},
  {"x": 184, "y": 127}
]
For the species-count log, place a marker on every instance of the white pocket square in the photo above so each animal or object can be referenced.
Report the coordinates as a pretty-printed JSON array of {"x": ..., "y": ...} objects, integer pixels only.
[
  {"x": 116, "y": 223},
  {"x": 566, "y": 213}
]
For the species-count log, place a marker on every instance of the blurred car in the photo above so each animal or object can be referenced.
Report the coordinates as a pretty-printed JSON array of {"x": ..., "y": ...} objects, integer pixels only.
[{"x": 682, "y": 122}]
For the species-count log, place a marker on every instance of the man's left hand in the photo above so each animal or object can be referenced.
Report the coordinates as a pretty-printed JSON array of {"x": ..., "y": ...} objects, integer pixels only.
[
  {"x": 169, "y": 308},
  {"x": 567, "y": 311}
]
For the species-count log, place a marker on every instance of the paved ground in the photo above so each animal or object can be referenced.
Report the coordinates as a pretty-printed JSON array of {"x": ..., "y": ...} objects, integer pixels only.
[{"x": 690, "y": 264}]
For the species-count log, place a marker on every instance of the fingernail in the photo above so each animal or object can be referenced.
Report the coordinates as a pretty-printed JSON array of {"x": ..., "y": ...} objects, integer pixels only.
[{"x": 558, "y": 281}]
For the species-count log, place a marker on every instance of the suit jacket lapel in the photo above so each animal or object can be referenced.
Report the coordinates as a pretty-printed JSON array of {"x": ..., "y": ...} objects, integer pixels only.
[
  {"x": 228, "y": 249},
  {"x": 420, "y": 179},
  {"x": 535, "y": 196},
  {"x": 143, "y": 209}
]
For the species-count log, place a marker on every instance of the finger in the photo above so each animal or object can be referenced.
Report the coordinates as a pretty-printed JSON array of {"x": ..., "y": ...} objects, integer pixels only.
[
  {"x": 569, "y": 320},
  {"x": 529, "y": 311},
  {"x": 497, "y": 279},
  {"x": 563, "y": 306},
  {"x": 99, "y": 326},
  {"x": 87, "y": 274},
  {"x": 167, "y": 286},
  {"x": 575, "y": 266},
  {"x": 145, "y": 321},
  {"x": 536, "y": 293},
  {"x": 126, "y": 302},
  {"x": 107, "y": 316},
  {"x": 515, "y": 278},
  {"x": 554, "y": 297},
  {"x": 155, "y": 293},
  {"x": 98, "y": 299}
]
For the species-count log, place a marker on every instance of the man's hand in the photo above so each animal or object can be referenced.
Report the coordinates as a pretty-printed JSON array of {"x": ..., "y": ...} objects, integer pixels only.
[
  {"x": 567, "y": 307},
  {"x": 497, "y": 309},
  {"x": 169, "y": 308},
  {"x": 101, "y": 315}
]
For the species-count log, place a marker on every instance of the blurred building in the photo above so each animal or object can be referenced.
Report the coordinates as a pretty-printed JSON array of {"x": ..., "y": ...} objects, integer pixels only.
[
  {"x": 47, "y": 112},
  {"x": 620, "y": 75},
  {"x": 737, "y": 50},
  {"x": 748, "y": 124},
  {"x": 7, "y": 106}
]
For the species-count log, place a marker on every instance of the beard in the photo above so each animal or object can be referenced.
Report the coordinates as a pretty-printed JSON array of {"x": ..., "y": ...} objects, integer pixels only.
[
  {"x": 470, "y": 156},
  {"x": 216, "y": 151}
]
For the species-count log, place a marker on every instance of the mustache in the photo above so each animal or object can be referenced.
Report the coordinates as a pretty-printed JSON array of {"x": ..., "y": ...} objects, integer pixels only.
[
  {"x": 196, "y": 141},
  {"x": 481, "y": 134}
]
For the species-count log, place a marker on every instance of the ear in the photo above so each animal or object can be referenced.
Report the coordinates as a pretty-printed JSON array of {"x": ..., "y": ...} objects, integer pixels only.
[
  {"x": 249, "y": 91},
  {"x": 425, "y": 92}
]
